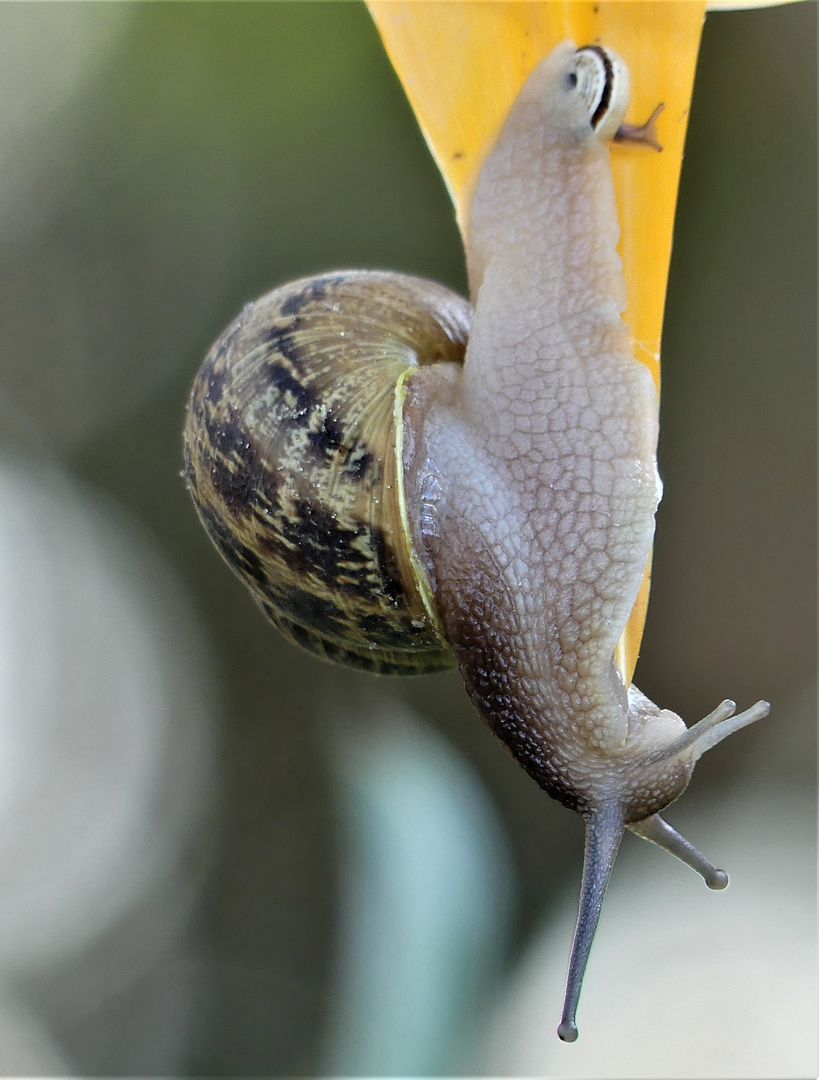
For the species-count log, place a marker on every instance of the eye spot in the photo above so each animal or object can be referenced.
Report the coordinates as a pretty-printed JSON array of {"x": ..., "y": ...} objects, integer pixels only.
[{"x": 571, "y": 79}]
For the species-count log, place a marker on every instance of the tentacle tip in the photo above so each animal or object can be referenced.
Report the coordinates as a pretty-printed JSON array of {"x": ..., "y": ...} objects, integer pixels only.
[
  {"x": 718, "y": 725},
  {"x": 717, "y": 880},
  {"x": 567, "y": 1031},
  {"x": 643, "y": 133}
]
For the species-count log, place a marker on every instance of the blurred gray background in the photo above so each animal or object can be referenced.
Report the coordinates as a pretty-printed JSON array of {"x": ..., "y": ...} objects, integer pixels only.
[{"x": 162, "y": 165}]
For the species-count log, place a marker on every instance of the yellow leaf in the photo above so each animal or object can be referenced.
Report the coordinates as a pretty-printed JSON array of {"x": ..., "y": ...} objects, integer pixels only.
[{"x": 463, "y": 64}]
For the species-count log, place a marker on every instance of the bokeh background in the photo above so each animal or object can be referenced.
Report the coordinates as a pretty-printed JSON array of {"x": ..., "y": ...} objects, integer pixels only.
[{"x": 220, "y": 856}]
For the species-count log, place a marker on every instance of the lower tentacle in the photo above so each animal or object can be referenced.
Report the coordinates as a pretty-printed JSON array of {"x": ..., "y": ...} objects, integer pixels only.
[
  {"x": 659, "y": 832},
  {"x": 604, "y": 831}
]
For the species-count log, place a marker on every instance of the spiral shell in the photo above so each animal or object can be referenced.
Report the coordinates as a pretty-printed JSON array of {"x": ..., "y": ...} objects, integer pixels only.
[{"x": 293, "y": 455}]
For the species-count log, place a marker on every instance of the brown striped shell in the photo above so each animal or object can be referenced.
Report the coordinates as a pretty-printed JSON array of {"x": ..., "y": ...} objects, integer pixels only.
[{"x": 293, "y": 458}]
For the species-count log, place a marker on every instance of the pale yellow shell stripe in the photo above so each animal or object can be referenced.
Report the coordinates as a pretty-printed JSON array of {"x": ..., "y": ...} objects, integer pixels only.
[
  {"x": 462, "y": 65},
  {"x": 420, "y": 572}
]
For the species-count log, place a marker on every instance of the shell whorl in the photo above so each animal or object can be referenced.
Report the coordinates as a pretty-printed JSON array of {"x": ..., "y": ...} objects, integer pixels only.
[{"x": 293, "y": 458}]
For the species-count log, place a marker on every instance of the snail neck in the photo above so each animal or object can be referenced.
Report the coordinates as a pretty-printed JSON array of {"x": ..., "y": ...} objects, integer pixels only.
[
  {"x": 544, "y": 272},
  {"x": 549, "y": 451}
]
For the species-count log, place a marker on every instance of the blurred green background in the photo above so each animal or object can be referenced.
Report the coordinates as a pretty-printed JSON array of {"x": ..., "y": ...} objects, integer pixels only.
[{"x": 165, "y": 163}]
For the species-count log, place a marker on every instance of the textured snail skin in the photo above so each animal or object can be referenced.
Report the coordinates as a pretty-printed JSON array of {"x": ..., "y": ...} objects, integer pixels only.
[
  {"x": 538, "y": 543},
  {"x": 403, "y": 511},
  {"x": 546, "y": 524}
]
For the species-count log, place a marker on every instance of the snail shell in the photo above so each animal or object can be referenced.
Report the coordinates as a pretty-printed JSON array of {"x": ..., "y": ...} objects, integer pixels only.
[{"x": 293, "y": 440}]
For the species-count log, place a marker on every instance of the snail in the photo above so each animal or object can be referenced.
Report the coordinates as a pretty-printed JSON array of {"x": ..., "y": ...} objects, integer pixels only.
[{"x": 407, "y": 484}]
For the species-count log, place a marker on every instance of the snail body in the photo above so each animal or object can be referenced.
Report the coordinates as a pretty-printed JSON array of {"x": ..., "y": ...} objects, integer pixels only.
[{"x": 519, "y": 462}]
